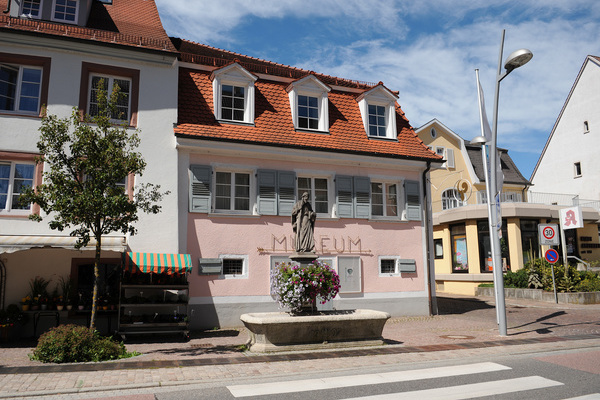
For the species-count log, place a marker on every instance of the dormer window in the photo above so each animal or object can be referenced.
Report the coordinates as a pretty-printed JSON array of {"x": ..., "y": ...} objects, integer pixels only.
[
  {"x": 233, "y": 94},
  {"x": 65, "y": 11},
  {"x": 31, "y": 8},
  {"x": 309, "y": 104},
  {"x": 378, "y": 110}
]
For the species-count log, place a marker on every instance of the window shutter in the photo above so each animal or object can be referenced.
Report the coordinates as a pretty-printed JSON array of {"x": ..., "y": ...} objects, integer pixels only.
[
  {"x": 362, "y": 197},
  {"x": 287, "y": 192},
  {"x": 200, "y": 185},
  {"x": 267, "y": 192},
  {"x": 449, "y": 158},
  {"x": 413, "y": 200},
  {"x": 343, "y": 196}
]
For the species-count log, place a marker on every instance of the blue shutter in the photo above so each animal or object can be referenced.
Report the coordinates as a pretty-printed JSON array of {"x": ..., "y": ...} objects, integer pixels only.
[
  {"x": 286, "y": 191},
  {"x": 362, "y": 197},
  {"x": 267, "y": 192},
  {"x": 200, "y": 185},
  {"x": 413, "y": 200},
  {"x": 343, "y": 196}
]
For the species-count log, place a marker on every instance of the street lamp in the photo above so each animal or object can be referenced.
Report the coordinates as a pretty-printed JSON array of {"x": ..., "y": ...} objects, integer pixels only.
[{"x": 515, "y": 60}]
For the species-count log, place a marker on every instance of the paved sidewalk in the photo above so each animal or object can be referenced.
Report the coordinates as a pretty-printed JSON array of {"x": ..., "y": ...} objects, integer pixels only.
[{"x": 465, "y": 327}]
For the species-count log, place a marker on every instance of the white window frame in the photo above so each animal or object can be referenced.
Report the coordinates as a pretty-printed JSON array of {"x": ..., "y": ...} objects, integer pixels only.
[
  {"x": 251, "y": 194},
  {"x": 310, "y": 86},
  {"x": 447, "y": 199},
  {"x": 330, "y": 194},
  {"x": 10, "y": 190},
  {"x": 379, "y": 96},
  {"x": 243, "y": 257},
  {"x": 64, "y": 20},
  {"x": 395, "y": 259},
  {"x": 19, "y": 88},
  {"x": 111, "y": 82},
  {"x": 29, "y": 15},
  {"x": 234, "y": 75},
  {"x": 399, "y": 198}
]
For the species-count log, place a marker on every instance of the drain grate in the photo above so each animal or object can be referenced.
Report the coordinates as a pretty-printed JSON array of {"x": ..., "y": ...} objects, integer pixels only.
[
  {"x": 457, "y": 337},
  {"x": 201, "y": 346}
]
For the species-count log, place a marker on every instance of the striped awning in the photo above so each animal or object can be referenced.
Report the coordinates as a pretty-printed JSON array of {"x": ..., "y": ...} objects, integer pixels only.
[
  {"x": 157, "y": 263},
  {"x": 13, "y": 243}
]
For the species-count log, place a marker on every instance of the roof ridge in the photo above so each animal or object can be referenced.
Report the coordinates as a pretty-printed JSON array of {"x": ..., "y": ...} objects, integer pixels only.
[
  {"x": 275, "y": 68},
  {"x": 75, "y": 31}
]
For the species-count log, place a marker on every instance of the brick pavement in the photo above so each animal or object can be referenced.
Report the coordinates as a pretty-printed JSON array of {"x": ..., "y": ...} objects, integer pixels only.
[{"x": 466, "y": 328}]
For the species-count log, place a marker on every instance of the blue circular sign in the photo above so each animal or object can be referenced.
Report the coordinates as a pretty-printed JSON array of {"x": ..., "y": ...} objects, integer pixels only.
[{"x": 551, "y": 256}]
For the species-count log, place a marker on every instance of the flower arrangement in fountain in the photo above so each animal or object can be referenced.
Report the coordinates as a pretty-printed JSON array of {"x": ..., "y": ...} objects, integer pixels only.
[{"x": 296, "y": 287}]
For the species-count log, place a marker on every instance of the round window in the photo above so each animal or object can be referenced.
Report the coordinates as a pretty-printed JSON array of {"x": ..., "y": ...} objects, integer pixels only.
[{"x": 433, "y": 133}]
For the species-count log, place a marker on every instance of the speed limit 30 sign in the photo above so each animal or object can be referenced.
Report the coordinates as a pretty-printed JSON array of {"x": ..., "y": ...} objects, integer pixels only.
[{"x": 548, "y": 234}]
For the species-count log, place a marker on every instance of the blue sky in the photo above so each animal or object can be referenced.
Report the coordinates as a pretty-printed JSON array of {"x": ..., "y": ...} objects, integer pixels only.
[{"x": 427, "y": 50}]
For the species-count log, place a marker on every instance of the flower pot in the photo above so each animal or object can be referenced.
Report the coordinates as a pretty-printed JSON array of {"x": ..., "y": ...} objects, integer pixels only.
[
  {"x": 35, "y": 307},
  {"x": 80, "y": 307},
  {"x": 25, "y": 307},
  {"x": 69, "y": 307},
  {"x": 59, "y": 307}
]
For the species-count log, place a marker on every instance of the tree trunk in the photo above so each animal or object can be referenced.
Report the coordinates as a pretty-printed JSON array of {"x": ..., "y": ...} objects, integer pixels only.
[{"x": 96, "y": 279}]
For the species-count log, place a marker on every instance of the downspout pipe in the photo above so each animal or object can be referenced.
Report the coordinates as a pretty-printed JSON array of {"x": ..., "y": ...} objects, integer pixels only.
[
  {"x": 7, "y": 7},
  {"x": 433, "y": 308}
]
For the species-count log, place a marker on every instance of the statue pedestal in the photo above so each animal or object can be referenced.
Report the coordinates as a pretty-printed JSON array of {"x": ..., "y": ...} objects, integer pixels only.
[{"x": 304, "y": 258}]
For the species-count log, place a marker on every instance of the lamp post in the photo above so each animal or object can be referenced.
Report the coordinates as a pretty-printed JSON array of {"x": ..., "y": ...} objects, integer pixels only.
[{"x": 515, "y": 60}]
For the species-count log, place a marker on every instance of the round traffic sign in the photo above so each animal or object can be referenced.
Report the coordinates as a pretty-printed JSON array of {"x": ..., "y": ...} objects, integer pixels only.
[
  {"x": 551, "y": 256},
  {"x": 549, "y": 232}
]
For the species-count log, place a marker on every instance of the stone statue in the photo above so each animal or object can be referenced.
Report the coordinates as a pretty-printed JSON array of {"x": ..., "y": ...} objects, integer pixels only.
[{"x": 303, "y": 223}]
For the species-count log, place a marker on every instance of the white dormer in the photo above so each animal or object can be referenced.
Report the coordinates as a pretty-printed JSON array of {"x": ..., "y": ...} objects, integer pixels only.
[
  {"x": 378, "y": 111},
  {"x": 309, "y": 104},
  {"x": 233, "y": 94}
]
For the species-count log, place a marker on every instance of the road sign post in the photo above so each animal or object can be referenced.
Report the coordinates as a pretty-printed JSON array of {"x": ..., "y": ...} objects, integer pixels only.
[{"x": 551, "y": 256}]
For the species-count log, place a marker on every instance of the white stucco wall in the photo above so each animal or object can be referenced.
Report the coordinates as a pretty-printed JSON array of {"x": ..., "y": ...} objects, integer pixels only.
[
  {"x": 569, "y": 142},
  {"x": 156, "y": 114}
]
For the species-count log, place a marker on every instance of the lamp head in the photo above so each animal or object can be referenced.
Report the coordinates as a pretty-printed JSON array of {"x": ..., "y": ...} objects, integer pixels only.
[
  {"x": 479, "y": 140},
  {"x": 517, "y": 58}
]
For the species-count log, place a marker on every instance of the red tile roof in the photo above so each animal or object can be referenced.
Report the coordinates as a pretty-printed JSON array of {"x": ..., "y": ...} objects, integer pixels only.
[
  {"x": 274, "y": 126},
  {"x": 133, "y": 23}
]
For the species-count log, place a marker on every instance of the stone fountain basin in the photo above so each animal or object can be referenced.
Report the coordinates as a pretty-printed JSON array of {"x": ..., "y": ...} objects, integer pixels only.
[{"x": 280, "y": 331}]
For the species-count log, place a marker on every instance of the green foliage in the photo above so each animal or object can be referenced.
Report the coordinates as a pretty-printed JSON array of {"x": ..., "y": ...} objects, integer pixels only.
[
  {"x": 75, "y": 343},
  {"x": 86, "y": 159},
  {"x": 12, "y": 316},
  {"x": 38, "y": 287},
  {"x": 518, "y": 279}
]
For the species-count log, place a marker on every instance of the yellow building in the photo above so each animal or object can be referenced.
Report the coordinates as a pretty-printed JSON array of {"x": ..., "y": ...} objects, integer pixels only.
[{"x": 460, "y": 215}]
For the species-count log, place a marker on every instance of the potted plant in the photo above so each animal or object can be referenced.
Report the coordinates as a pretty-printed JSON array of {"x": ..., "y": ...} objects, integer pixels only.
[
  {"x": 66, "y": 288},
  {"x": 26, "y": 303},
  {"x": 11, "y": 321},
  {"x": 38, "y": 287}
]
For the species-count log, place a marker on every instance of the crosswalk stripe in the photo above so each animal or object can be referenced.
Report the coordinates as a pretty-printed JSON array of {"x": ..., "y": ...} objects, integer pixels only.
[
  {"x": 470, "y": 391},
  {"x": 360, "y": 380}
]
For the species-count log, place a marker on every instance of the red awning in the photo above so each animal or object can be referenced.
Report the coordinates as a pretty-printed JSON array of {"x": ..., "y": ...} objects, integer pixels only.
[{"x": 157, "y": 263}]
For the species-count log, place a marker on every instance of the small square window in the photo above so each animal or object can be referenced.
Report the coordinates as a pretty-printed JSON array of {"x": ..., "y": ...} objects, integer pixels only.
[
  {"x": 308, "y": 112},
  {"x": 109, "y": 83},
  {"x": 232, "y": 191},
  {"x": 31, "y": 8},
  {"x": 387, "y": 266},
  {"x": 233, "y": 266},
  {"x": 384, "y": 199},
  {"x": 65, "y": 11},
  {"x": 577, "y": 167},
  {"x": 15, "y": 178},
  {"x": 232, "y": 102}
]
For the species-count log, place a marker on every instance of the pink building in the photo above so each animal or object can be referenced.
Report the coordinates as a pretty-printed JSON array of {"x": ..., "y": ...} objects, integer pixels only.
[{"x": 252, "y": 136}]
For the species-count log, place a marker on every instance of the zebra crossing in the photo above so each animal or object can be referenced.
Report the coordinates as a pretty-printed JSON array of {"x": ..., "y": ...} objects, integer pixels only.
[{"x": 464, "y": 391}]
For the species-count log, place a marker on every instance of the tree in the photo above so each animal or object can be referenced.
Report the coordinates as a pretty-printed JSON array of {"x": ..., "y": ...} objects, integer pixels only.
[{"x": 87, "y": 159}]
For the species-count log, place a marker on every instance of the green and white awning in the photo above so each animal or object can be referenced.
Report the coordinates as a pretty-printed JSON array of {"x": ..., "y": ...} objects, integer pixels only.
[{"x": 157, "y": 263}]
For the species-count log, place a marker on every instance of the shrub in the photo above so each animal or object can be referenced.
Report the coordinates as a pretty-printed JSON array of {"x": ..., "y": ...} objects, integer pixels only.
[
  {"x": 75, "y": 343},
  {"x": 518, "y": 279},
  {"x": 293, "y": 286}
]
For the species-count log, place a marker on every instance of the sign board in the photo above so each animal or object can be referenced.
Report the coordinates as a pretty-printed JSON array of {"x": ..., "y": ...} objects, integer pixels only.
[
  {"x": 571, "y": 218},
  {"x": 551, "y": 256},
  {"x": 548, "y": 234}
]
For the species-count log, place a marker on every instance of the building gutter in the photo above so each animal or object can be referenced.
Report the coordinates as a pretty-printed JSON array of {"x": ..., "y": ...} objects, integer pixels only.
[{"x": 433, "y": 308}]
